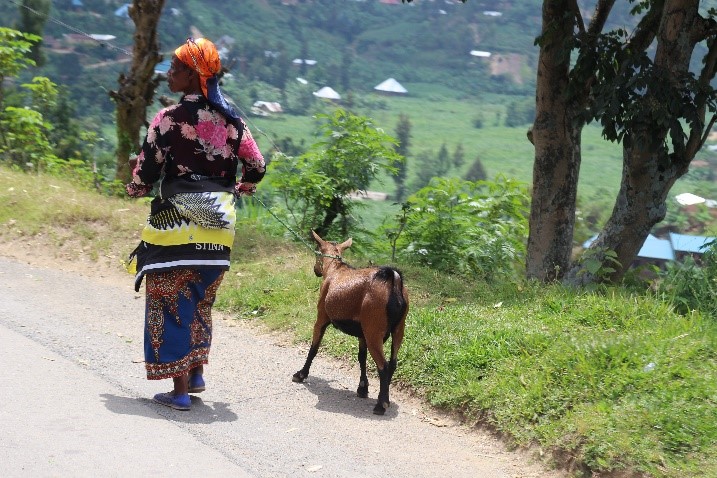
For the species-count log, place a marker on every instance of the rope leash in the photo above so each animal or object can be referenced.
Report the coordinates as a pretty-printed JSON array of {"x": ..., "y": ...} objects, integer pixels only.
[{"x": 294, "y": 232}]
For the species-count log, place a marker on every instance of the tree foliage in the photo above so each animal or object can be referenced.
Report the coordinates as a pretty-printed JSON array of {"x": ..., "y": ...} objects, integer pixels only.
[
  {"x": 315, "y": 187},
  {"x": 403, "y": 137},
  {"x": 15, "y": 49},
  {"x": 23, "y": 129}
]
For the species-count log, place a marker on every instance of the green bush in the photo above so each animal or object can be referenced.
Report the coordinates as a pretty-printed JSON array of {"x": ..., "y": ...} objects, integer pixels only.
[{"x": 472, "y": 228}]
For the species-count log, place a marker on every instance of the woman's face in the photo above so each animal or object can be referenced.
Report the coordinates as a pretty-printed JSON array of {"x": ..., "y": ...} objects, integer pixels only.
[{"x": 180, "y": 78}]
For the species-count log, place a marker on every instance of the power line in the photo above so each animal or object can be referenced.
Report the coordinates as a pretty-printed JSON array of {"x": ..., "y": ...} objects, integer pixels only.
[{"x": 71, "y": 28}]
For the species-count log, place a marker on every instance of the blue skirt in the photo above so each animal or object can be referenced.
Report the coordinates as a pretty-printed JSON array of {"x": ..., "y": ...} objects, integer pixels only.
[{"x": 178, "y": 320}]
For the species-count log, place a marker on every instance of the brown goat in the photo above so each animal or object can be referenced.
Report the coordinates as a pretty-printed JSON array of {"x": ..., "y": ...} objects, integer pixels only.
[{"x": 369, "y": 303}]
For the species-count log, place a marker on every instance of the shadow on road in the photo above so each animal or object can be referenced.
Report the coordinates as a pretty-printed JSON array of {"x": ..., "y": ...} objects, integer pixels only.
[
  {"x": 201, "y": 412},
  {"x": 342, "y": 400}
]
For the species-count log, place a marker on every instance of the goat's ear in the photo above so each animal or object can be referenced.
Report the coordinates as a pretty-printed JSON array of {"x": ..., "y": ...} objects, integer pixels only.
[
  {"x": 345, "y": 245},
  {"x": 318, "y": 239}
]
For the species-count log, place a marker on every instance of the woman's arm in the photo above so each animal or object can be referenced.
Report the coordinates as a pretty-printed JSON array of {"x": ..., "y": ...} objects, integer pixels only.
[
  {"x": 148, "y": 165},
  {"x": 253, "y": 165}
]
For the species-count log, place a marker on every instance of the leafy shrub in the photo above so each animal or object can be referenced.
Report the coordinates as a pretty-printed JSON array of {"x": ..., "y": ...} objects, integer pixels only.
[
  {"x": 314, "y": 188},
  {"x": 474, "y": 228}
]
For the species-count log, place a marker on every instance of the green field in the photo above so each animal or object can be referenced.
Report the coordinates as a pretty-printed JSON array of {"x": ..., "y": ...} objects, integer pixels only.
[{"x": 440, "y": 116}]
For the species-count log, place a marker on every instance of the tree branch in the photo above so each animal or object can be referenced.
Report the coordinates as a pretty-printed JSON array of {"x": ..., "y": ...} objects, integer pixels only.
[
  {"x": 697, "y": 138},
  {"x": 578, "y": 16},
  {"x": 703, "y": 29},
  {"x": 600, "y": 15},
  {"x": 646, "y": 30}
]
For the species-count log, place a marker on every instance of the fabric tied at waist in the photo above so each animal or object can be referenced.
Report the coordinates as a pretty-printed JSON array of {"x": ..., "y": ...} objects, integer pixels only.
[{"x": 195, "y": 183}]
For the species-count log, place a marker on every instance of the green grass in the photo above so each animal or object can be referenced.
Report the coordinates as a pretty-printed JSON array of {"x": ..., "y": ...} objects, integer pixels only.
[
  {"x": 79, "y": 221},
  {"x": 604, "y": 381},
  {"x": 569, "y": 371}
]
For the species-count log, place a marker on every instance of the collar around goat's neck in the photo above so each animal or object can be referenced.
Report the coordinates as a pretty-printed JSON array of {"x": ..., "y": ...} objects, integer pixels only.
[{"x": 330, "y": 256}]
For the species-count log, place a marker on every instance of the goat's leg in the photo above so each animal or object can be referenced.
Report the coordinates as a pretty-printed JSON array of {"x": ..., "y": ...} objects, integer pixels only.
[
  {"x": 362, "y": 390},
  {"x": 375, "y": 348},
  {"x": 318, "y": 334}
]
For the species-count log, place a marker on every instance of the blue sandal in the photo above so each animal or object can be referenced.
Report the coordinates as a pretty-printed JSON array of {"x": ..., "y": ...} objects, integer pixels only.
[
  {"x": 177, "y": 402},
  {"x": 196, "y": 383}
]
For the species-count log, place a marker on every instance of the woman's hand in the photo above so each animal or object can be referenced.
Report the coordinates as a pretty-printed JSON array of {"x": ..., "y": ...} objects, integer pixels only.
[{"x": 244, "y": 189}]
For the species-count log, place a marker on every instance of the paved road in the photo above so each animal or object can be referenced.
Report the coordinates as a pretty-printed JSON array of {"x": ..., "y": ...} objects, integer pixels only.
[{"x": 74, "y": 401}]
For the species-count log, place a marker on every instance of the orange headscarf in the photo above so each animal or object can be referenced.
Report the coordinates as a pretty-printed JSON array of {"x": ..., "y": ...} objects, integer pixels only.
[{"x": 201, "y": 56}]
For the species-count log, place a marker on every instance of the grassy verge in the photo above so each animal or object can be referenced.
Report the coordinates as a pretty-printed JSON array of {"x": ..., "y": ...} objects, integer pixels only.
[
  {"x": 603, "y": 381},
  {"x": 78, "y": 223}
]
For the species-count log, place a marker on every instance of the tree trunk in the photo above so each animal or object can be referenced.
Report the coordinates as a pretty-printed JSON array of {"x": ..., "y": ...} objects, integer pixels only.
[
  {"x": 650, "y": 169},
  {"x": 137, "y": 88},
  {"x": 556, "y": 137},
  {"x": 647, "y": 178}
]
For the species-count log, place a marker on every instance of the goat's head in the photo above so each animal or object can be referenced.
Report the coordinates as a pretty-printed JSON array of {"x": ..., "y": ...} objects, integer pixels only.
[{"x": 327, "y": 251}]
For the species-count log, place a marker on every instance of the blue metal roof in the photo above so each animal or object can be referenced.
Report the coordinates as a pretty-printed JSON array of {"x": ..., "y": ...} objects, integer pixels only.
[
  {"x": 123, "y": 11},
  {"x": 694, "y": 244},
  {"x": 652, "y": 248},
  {"x": 655, "y": 248}
]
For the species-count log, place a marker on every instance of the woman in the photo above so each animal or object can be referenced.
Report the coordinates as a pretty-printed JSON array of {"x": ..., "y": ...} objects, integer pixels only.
[{"x": 193, "y": 149}]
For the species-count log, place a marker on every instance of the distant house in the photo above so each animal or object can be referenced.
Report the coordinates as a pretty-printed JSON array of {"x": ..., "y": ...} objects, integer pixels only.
[
  {"x": 301, "y": 61},
  {"x": 162, "y": 67},
  {"x": 685, "y": 245},
  {"x": 78, "y": 38},
  {"x": 123, "y": 11},
  {"x": 661, "y": 251},
  {"x": 327, "y": 93},
  {"x": 480, "y": 54},
  {"x": 653, "y": 251},
  {"x": 690, "y": 203},
  {"x": 369, "y": 195},
  {"x": 689, "y": 199},
  {"x": 266, "y": 108},
  {"x": 391, "y": 87},
  {"x": 101, "y": 37}
]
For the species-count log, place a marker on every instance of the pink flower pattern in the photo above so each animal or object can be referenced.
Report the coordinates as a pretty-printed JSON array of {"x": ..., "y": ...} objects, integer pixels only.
[{"x": 212, "y": 137}]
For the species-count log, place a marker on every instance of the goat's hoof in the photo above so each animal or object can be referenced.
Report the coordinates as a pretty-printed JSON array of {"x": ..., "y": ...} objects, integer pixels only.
[
  {"x": 379, "y": 409},
  {"x": 298, "y": 377},
  {"x": 362, "y": 392}
]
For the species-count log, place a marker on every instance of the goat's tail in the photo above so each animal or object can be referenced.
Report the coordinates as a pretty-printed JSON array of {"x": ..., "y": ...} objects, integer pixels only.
[{"x": 397, "y": 303}]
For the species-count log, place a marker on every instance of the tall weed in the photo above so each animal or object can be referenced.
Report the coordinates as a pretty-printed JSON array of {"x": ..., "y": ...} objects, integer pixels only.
[{"x": 690, "y": 285}]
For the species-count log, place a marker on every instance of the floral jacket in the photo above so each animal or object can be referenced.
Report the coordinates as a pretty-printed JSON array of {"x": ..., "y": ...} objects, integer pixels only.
[{"x": 192, "y": 140}]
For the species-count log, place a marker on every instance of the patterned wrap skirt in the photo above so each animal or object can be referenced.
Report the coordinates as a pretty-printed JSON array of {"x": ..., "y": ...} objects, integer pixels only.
[{"x": 178, "y": 320}]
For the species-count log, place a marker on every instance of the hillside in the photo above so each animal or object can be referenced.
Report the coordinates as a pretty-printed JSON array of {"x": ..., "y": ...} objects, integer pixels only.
[{"x": 424, "y": 40}]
